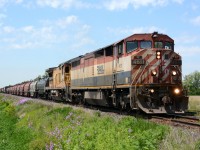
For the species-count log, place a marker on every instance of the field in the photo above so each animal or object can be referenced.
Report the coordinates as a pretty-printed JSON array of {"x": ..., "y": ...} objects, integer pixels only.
[
  {"x": 194, "y": 103},
  {"x": 33, "y": 124}
]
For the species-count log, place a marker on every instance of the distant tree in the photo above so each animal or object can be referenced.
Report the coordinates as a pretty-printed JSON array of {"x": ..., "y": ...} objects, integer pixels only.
[
  {"x": 192, "y": 82},
  {"x": 38, "y": 78},
  {"x": 45, "y": 75}
]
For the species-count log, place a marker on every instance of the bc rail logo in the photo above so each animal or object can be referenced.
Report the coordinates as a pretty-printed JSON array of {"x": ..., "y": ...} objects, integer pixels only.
[{"x": 100, "y": 69}]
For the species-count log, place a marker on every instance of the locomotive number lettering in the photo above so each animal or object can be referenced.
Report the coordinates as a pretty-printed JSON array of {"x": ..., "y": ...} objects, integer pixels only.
[
  {"x": 138, "y": 62},
  {"x": 100, "y": 69},
  {"x": 176, "y": 62}
]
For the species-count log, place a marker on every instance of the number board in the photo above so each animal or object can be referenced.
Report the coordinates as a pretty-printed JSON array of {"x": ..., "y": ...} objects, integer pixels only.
[
  {"x": 176, "y": 62},
  {"x": 100, "y": 69},
  {"x": 138, "y": 62}
]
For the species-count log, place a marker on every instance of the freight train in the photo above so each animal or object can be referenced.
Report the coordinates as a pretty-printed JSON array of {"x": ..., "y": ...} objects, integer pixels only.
[{"x": 141, "y": 72}]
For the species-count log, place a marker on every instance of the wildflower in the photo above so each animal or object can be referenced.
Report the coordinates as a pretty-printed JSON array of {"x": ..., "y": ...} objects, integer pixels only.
[
  {"x": 50, "y": 147},
  {"x": 130, "y": 130},
  {"x": 69, "y": 116},
  {"x": 22, "y": 101},
  {"x": 68, "y": 141},
  {"x": 56, "y": 133}
]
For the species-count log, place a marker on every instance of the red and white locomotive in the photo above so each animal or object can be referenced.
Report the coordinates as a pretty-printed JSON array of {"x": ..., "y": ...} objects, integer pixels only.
[{"x": 141, "y": 71}]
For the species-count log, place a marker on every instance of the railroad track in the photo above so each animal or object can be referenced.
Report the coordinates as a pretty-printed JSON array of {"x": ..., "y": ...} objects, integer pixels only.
[{"x": 181, "y": 121}]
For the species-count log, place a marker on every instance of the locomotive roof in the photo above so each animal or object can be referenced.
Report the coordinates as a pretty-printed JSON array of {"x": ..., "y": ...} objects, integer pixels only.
[
  {"x": 50, "y": 69},
  {"x": 138, "y": 36},
  {"x": 144, "y": 36}
]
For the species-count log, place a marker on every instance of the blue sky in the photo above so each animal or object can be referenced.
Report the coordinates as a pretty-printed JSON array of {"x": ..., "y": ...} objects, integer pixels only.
[{"x": 38, "y": 34}]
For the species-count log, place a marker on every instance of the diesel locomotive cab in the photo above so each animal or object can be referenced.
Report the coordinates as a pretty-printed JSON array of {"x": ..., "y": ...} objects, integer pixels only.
[{"x": 157, "y": 77}]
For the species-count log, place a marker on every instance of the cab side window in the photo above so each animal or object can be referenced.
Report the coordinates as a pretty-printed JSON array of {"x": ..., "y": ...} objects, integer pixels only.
[{"x": 120, "y": 49}]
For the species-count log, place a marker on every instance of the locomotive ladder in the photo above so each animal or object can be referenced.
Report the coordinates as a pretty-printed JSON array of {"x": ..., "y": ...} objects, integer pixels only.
[
  {"x": 114, "y": 89},
  {"x": 133, "y": 103}
]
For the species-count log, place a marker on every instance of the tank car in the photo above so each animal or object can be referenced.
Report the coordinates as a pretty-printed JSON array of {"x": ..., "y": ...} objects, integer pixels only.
[
  {"x": 41, "y": 88},
  {"x": 141, "y": 71},
  {"x": 33, "y": 89},
  {"x": 27, "y": 89}
]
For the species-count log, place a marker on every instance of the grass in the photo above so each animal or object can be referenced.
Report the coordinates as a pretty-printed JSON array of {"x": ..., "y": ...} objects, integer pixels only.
[
  {"x": 194, "y": 103},
  {"x": 45, "y": 126},
  {"x": 181, "y": 139},
  {"x": 12, "y": 137}
]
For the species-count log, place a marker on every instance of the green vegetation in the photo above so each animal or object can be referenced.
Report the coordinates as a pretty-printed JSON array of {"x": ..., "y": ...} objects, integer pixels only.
[
  {"x": 194, "y": 103},
  {"x": 12, "y": 137},
  {"x": 192, "y": 82},
  {"x": 28, "y": 124},
  {"x": 179, "y": 139}
]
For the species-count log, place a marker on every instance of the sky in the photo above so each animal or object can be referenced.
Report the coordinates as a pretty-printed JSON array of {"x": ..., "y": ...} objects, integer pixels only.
[{"x": 39, "y": 34}]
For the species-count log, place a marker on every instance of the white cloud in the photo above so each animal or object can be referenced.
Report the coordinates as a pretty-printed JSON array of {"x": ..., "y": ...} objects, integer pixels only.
[
  {"x": 63, "y": 3},
  {"x": 128, "y": 31},
  {"x": 63, "y": 23},
  {"x": 178, "y": 1},
  {"x": 64, "y": 31},
  {"x": 18, "y": 1},
  {"x": 82, "y": 37},
  {"x": 52, "y": 3},
  {"x": 120, "y": 5},
  {"x": 2, "y": 16},
  {"x": 8, "y": 29},
  {"x": 186, "y": 39},
  {"x": 28, "y": 29},
  {"x": 195, "y": 6},
  {"x": 188, "y": 51},
  {"x": 196, "y": 21},
  {"x": 3, "y": 3},
  {"x": 24, "y": 45}
]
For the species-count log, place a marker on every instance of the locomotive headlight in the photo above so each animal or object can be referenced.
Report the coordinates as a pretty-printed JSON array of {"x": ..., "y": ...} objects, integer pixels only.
[
  {"x": 152, "y": 90},
  {"x": 158, "y": 52},
  {"x": 176, "y": 90},
  {"x": 153, "y": 73},
  {"x": 174, "y": 73},
  {"x": 158, "y": 55}
]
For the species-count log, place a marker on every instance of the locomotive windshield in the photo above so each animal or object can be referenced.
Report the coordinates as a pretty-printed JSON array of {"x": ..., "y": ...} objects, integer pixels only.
[
  {"x": 165, "y": 45},
  {"x": 169, "y": 45},
  {"x": 131, "y": 45},
  {"x": 145, "y": 44},
  {"x": 158, "y": 44}
]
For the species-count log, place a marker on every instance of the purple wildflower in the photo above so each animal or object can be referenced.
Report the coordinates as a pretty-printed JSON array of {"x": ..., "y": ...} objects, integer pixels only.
[
  {"x": 22, "y": 101},
  {"x": 69, "y": 116},
  {"x": 50, "y": 147},
  {"x": 56, "y": 133}
]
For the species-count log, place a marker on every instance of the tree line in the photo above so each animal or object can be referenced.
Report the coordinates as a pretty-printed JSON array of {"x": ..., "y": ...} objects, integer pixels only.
[{"x": 192, "y": 83}]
